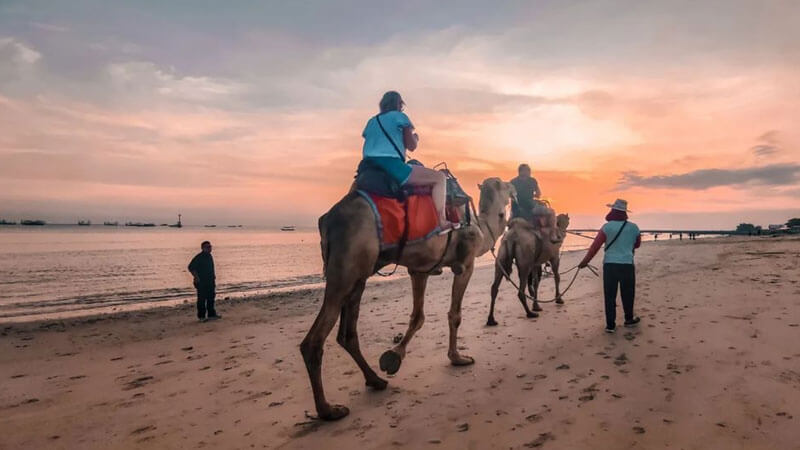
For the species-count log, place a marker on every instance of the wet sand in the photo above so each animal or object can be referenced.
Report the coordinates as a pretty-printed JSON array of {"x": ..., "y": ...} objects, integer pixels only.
[{"x": 715, "y": 363}]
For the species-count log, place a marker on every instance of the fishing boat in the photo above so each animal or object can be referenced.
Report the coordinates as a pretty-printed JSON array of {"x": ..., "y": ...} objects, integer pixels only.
[
  {"x": 84, "y": 223},
  {"x": 139, "y": 224},
  {"x": 210, "y": 226},
  {"x": 288, "y": 228},
  {"x": 33, "y": 222},
  {"x": 6, "y": 222},
  {"x": 111, "y": 224}
]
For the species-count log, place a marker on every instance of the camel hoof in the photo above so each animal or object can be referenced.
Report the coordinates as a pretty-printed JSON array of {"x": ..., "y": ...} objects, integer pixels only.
[
  {"x": 390, "y": 362},
  {"x": 378, "y": 383},
  {"x": 334, "y": 412},
  {"x": 559, "y": 301},
  {"x": 533, "y": 315},
  {"x": 462, "y": 361},
  {"x": 536, "y": 307},
  {"x": 491, "y": 322}
]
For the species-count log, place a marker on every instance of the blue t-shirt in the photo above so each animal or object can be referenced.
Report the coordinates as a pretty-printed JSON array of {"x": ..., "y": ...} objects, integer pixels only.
[
  {"x": 622, "y": 250},
  {"x": 375, "y": 143}
]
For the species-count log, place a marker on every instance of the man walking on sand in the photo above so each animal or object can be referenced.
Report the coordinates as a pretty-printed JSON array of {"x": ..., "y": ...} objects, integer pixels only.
[
  {"x": 621, "y": 238},
  {"x": 202, "y": 269}
]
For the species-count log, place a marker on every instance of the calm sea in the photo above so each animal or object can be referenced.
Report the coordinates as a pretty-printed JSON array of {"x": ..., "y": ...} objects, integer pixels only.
[{"x": 70, "y": 270}]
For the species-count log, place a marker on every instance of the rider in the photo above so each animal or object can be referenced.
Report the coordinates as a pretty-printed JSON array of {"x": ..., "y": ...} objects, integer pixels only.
[
  {"x": 387, "y": 136},
  {"x": 527, "y": 191}
]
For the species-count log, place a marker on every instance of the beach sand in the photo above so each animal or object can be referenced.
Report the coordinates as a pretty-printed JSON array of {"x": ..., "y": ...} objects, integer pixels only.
[{"x": 715, "y": 364}]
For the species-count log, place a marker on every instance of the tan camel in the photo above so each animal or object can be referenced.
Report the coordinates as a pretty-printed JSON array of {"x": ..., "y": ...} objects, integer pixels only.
[
  {"x": 530, "y": 248},
  {"x": 350, "y": 252}
]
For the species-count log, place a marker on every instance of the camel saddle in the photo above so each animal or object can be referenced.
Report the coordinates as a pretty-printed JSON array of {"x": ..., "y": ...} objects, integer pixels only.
[{"x": 406, "y": 214}]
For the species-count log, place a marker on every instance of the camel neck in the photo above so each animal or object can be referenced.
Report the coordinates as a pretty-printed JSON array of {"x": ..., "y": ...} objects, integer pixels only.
[{"x": 491, "y": 232}]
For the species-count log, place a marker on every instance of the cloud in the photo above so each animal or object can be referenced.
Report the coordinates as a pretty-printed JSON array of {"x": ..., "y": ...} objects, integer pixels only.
[
  {"x": 768, "y": 144},
  {"x": 771, "y": 175},
  {"x": 145, "y": 76},
  {"x": 15, "y": 51}
]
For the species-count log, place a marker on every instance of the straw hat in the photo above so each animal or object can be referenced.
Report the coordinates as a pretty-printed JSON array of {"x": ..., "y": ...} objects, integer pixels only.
[{"x": 620, "y": 205}]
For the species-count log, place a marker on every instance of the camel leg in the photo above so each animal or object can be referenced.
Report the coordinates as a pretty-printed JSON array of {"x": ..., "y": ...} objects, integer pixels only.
[
  {"x": 348, "y": 336},
  {"x": 312, "y": 345},
  {"x": 536, "y": 276},
  {"x": 460, "y": 283},
  {"x": 498, "y": 278},
  {"x": 554, "y": 263},
  {"x": 525, "y": 274},
  {"x": 391, "y": 359}
]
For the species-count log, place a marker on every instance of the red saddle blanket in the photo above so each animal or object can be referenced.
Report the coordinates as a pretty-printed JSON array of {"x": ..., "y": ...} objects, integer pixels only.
[{"x": 389, "y": 213}]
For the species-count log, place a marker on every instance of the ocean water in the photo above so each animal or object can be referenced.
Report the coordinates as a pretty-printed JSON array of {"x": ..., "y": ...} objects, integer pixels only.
[{"x": 70, "y": 270}]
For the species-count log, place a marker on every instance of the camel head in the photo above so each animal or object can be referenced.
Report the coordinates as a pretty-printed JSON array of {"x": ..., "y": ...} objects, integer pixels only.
[
  {"x": 495, "y": 196},
  {"x": 562, "y": 222}
]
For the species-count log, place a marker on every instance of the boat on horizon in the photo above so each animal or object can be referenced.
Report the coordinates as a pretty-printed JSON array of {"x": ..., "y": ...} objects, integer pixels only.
[
  {"x": 139, "y": 224},
  {"x": 36, "y": 222},
  {"x": 210, "y": 226},
  {"x": 234, "y": 226},
  {"x": 84, "y": 223},
  {"x": 6, "y": 222},
  {"x": 288, "y": 228},
  {"x": 111, "y": 224}
]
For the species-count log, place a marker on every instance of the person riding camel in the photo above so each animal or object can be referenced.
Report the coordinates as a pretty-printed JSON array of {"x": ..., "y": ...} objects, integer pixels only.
[
  {"x": 527, "y": 191},
  {"x": 387, "y": 136},
  {"x": 528, "y": 205}
]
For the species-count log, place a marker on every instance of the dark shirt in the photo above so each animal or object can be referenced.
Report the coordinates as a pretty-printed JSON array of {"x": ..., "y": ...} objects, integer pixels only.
[
  {"x": 526, "y": 188},
  {"x": 203, "y": 265}
]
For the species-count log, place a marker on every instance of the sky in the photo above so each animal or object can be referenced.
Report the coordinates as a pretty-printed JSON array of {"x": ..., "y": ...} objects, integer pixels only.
[{"x": 251, "y": 112}]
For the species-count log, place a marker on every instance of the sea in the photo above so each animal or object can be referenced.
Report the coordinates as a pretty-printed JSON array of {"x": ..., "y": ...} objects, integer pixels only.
[{"x": 57, "y": 271}]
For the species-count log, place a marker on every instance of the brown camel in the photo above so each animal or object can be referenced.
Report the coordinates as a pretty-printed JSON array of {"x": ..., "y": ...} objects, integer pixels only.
[
  {"x": 530, "y": 248},
  {"x": 350, "y": 252}
]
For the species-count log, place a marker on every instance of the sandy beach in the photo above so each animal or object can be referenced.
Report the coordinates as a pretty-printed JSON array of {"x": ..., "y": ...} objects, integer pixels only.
[{"x": 715, "y": 364}]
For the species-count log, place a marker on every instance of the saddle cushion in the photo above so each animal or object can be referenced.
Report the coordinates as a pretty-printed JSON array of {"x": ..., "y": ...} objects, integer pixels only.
[{"x": 390, "y": 217}]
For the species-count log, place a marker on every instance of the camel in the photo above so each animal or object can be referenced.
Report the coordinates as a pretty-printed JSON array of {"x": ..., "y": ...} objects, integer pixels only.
[
  {"x": 525, "y": 245},
  {"x": 350, "y": 252}
]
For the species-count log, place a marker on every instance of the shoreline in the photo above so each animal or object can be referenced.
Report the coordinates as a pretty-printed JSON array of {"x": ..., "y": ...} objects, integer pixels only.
[{"x": 265, "y": 294}]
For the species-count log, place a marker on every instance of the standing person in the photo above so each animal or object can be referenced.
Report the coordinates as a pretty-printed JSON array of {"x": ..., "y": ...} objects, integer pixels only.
[
  {"x": 527, "y": 190},
  {"x": 202, "y": 269},
  {"x": 387, "y": 136},
  {"x": 621, "y": 238}
]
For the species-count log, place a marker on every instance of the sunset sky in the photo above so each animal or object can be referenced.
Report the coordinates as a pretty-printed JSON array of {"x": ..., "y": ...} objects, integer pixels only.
[{"x": 252, "y": 112}]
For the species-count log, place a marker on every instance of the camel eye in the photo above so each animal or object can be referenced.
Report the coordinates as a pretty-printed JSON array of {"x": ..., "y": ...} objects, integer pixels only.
[{"x": 502, "y": 215}]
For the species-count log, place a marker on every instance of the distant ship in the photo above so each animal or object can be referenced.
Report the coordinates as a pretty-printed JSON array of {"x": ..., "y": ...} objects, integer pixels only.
[
  {"x": 111, "y": 224},
  {"x": 33, "y": 222},
  {"x": 234, "y": 226},
  {"x": 288, "y": 228},
  {"x": 210, "y": 226},
  {"x": 5, "y": 222},
  {"x": 84, "y": 223},
  {"x": 139, "y": 224}
]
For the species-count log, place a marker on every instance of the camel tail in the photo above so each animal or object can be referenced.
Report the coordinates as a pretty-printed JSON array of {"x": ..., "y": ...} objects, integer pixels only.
[{"x": 323, "y": 241}]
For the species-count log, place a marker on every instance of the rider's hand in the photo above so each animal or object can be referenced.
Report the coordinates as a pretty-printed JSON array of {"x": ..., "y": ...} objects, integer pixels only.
[{"x": 583, "y": 265}]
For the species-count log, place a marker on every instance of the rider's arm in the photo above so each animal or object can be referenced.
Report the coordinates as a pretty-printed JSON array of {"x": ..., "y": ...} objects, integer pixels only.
[
  {"x": 410, "y": 138},
  {"x": 638, "y": 241},
  {"x": 599, "y": 240}
]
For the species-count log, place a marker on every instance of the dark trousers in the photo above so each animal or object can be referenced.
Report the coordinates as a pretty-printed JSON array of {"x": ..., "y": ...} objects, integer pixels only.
[
  {"x": 624, "y": 276},
  {"x": 206, "y": 294}
]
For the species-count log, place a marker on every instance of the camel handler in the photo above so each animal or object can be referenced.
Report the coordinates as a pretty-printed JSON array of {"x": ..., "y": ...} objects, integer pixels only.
[{"x": 622, "y": 238}]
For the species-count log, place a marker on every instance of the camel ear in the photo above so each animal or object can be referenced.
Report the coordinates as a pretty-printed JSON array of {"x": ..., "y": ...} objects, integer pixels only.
[{"x": 480, "y": 186}]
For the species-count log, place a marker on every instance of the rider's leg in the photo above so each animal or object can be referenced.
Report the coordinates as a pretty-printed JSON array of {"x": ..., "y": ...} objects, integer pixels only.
[{"x": 422, "y": 176}]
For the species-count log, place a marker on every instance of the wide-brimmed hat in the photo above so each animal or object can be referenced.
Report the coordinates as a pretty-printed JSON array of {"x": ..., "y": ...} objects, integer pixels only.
[{"x": 620, "y": 205}]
